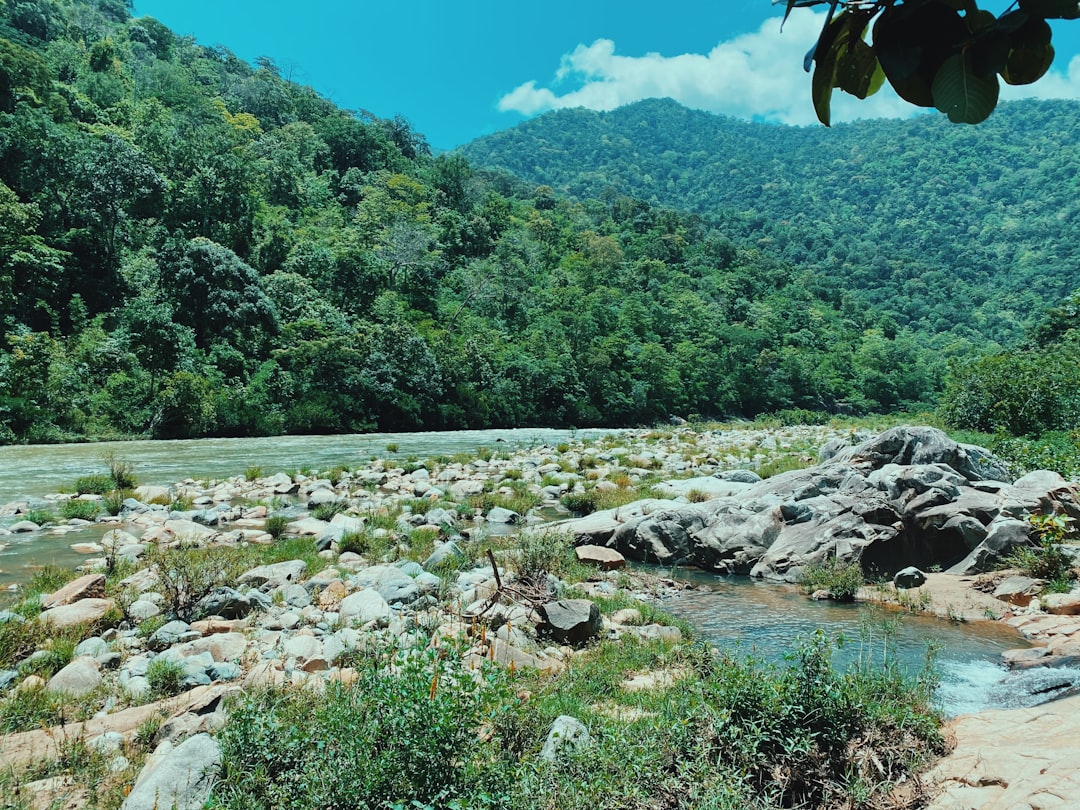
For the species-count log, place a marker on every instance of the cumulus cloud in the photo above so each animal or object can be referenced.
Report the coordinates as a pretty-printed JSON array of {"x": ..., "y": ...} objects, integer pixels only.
[{"x": 755, "y": 76}]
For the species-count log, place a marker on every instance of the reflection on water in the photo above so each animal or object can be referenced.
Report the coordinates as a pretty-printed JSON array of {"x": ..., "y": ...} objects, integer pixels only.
[{"x": 766, "y": 619}]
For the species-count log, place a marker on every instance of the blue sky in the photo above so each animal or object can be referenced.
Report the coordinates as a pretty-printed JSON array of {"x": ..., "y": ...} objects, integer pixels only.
[{"x": 460, "y": 70}]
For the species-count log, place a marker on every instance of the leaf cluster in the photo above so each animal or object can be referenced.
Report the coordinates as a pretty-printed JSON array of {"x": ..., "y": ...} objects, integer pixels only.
[{"x": 947, "y": 54}]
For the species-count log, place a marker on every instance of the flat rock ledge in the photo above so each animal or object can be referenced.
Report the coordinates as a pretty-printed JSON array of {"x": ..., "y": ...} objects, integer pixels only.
[{"x": 1013, "y": 759}]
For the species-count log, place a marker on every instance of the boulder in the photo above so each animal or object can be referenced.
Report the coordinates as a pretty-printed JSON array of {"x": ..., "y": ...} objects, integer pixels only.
[
  {"x": 606, "y": 559},
  {"x": 910, "y": 577},
  {"x": 363, "y": 607},
  {"x": 91, "y": 586},
  {"x": 78, "y": 678},
  {"x": 499, "y": 514},
  {"x": 568, "y": 736},
  {"x": 224, "y": 602},
  {"x": 179, "y": 778},
  {"x": 1018, "y": 590},
  {"x": 1063, "y": 604},
  {"x": 570, "y": 621},
  {"x": 85, "y": 611},
  {"x": 269, "y": 577}
]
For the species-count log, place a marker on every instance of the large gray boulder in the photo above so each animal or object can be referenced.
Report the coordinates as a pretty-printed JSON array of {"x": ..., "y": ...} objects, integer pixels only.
[
  {"x": 910, "y": 496},
  {"x": 177, "y": 778},
  {"x": 570, "y": 621}
]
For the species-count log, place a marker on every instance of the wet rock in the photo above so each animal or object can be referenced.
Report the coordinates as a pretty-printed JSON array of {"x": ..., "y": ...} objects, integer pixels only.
[
  {"x": 501, "y": 515},
  {"x": 24, "y": 527}
]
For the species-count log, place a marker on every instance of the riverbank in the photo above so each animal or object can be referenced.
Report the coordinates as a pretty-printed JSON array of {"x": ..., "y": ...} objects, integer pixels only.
[{"x": 313, "y": 582}]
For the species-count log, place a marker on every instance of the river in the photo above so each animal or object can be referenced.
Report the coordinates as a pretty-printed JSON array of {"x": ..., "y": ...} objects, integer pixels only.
[
  {"x": 761, "y": 618},
  {"x": 30, "y": 472}
]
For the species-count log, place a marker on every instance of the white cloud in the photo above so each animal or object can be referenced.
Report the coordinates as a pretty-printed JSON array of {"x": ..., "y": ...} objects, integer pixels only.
[{"x": 753, "y": 76}]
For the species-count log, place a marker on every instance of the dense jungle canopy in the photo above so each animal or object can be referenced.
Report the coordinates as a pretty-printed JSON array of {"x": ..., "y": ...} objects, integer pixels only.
[{"x": 191, "y": 245}]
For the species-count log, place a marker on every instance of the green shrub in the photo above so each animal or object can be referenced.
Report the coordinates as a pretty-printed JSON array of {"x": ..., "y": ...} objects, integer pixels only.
[
  {"x": 41, "y": 517},
  {"x": 121, "y": 472},
  {"x": 49, "y": 578},
  {"x": 405, "y": 735},
  {"x": 18, "y": 639},
  {"x": 580, "y": 504},
  {"x": 113, "y": 501},
  {"x": 391, "y": 447},
  {"x": 26, "y": 709},
  {"x": 253, "y": 472},
  {"x": 1045, "y": 559},
  {"x": 276, "y": 525},
  {"x": 94, "y": 484},
  {"x": 783, "y": 464},
  {"x": 186, "y": 575},
  {"x": 839, "y": 578},
  {"x": 326, "y": 511},
  {"x": 166, "y": 678},
  {"x": 543, "y": 552},
  {"x": 81, "y": 510}
]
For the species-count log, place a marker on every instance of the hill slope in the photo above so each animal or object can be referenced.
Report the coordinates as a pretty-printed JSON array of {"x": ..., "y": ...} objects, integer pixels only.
[
  {"x": 192, "y": 245},
  {"x": 965, "y": 230}
]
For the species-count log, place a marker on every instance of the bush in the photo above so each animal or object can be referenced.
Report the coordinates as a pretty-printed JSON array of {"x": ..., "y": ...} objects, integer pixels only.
[
  {"x": 81, "y": 510},
  {"x": 326, "y": 511},
  {"x": 113, "y": 501},
  {"x": 251, "y": 473},
  {"x": 1024, "y": 393},
  {"x": 121, "y": 472},
  {"x": 401, "y": 735},
  {"x": 93, "y": 484},
  {"x": 166, "y": 678},
  {"x": 39, "y": 516},
  {"x": 841, "y": 579},
  {"x": 186, "y": 575},
  {"x": 1045, "y": 559},
  {"x": 276, "y": 525}
]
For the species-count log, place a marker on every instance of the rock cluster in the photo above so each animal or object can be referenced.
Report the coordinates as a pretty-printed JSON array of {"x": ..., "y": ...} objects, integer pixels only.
[{"x": 910, "y": 496}]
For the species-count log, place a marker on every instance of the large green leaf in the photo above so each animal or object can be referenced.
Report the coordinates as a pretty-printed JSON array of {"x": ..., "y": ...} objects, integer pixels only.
[
  {"x": 1031, "y": 55},
  {"x": 963, "y": 95},
  {"x": 912, "y": 41},
  {"x": 843, "y": 60}
]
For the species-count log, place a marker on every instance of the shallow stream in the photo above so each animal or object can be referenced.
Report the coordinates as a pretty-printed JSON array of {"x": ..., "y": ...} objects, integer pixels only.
[{"x": 765, "y": 619}]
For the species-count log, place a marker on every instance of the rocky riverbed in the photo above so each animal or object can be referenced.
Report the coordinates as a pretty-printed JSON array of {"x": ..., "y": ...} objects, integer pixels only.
[{"x": 394, "y": 554}]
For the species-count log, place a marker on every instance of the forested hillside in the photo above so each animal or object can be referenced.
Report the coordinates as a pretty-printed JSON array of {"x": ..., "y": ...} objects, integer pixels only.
[
  {"x": 191, "y": 245},
  {"x": 964, "y": 232}
]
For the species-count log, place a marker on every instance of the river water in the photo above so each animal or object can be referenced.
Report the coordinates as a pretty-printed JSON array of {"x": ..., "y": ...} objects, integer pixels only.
[
  {"x": 30, "y": 472},
  {"x": 761, "y": 618},
  {"x": 765, "y": 620}
]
